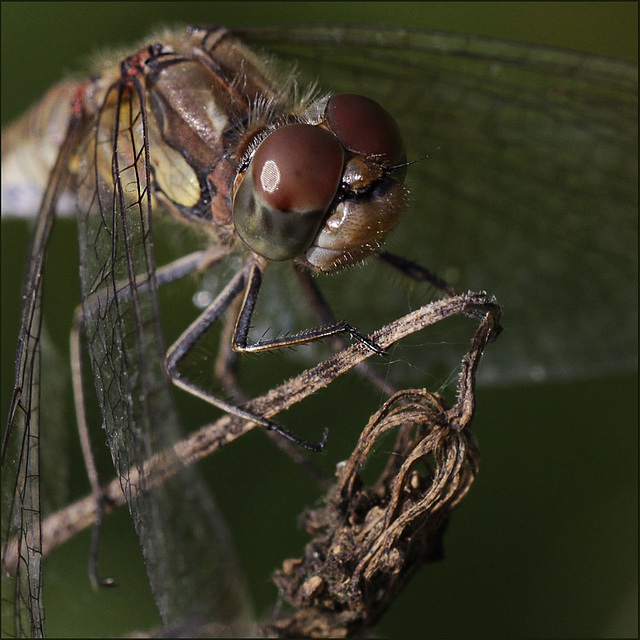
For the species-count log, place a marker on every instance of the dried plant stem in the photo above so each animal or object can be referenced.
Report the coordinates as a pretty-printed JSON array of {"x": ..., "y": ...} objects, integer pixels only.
[{"x": 67, "y": 522}]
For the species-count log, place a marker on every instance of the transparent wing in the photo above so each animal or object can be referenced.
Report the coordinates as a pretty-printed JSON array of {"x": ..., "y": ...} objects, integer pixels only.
[
  {"x": 22, "y": 608},
  {"x": 186, "y": 548},
  {"x": 529, "y": 189}
]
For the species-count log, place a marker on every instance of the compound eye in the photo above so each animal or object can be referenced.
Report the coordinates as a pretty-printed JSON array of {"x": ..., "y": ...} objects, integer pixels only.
[
  {"x": 281, "y": 200},
  {"x": 364, "y": 127},
  {"x": 298, "y": 168}
]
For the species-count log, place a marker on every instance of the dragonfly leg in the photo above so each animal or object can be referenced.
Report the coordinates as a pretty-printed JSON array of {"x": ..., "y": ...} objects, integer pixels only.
[
  {"x": 226, "y": 373},
  {"x": 325, "y": 316},
  {"x": 241, "y": 336},
  {"x": 87, "y": 453},
  {"x": 416, "y": 272},
  {"x": 194, "y": 333},
  {"x": 226, "y": 367},
  {"x": 420, "y": 274}
]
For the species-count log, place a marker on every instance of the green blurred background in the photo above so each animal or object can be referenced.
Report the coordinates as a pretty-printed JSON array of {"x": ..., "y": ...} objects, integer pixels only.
[{"x": 546, "y": 542}]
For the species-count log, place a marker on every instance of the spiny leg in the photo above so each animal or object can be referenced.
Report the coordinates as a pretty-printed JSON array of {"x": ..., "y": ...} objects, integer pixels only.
[
  {"x": 226, "y": 366},
  {"x": 241, "y": 337},
  {"x": 87, "y": 453},
  {"x": 420, "y": 274},
  {"x": 416, "y": 272},
  {"x": 325, "y": 316},
  {"x": 192, "y": 335},
  {"x": 226, "y": 372}
]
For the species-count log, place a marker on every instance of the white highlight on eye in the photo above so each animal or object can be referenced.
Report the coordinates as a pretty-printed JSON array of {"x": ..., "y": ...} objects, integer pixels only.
[{"x": 270, "y": 176}]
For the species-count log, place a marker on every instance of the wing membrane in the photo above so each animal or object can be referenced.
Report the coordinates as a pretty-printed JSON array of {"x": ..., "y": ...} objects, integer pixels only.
[
  {"x": 193, "y": 577},
  {"x": 21, "y": 517}
]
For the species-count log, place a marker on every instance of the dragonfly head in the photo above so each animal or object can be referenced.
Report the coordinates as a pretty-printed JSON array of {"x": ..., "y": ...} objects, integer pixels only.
[{"x": 326, "y": 193}]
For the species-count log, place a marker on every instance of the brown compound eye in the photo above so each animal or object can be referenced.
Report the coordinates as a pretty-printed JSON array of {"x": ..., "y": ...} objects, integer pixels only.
[
  {"x": 280, "y": 201},
  {"x": 364, "y": 127}
]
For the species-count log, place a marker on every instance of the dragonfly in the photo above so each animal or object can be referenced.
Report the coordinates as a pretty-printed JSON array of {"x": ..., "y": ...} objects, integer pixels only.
[{"x": 522, "y": 181}]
